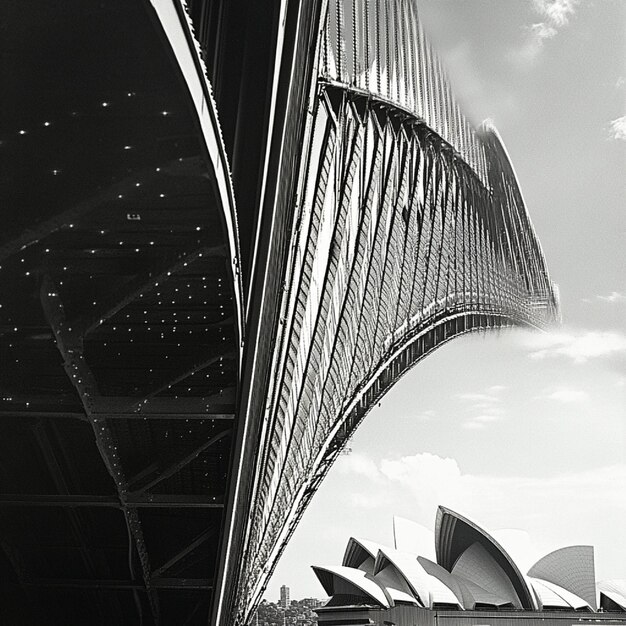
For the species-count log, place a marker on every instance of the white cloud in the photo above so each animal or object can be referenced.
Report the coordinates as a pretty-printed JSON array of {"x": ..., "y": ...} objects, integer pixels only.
[
  {"x": 479, "y": 93},
  {"x": 487, "y": 404},
  {"x": 541, "y": 31},
  {"x": 580, "y": 346},
  {"x": 432, "y": 479},
  {"x": 556, "y": 14},
  {"x": 537, "y": 34},
  {"x": 425, "y": 416},
  {"x": 567, "y": 395},
  {"x": 618, "y": 128},
  {"x": 479, "y": 422},
  {"x": 488, "y": 396},
  {"x": 427, "y": 480},
  {"x": 359, "y": 464},
  {"x": 613, "y": 297}
]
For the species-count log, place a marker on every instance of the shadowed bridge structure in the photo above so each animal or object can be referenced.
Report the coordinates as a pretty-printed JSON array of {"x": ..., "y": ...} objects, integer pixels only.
[{"x": 228, "y": 229}]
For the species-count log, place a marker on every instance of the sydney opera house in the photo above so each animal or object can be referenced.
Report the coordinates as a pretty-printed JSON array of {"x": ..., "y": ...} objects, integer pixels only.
[{"x": 471, "y": 579}]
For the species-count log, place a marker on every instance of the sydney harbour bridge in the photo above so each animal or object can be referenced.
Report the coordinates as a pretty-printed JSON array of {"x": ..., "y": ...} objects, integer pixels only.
[{"x": 228, "y": 228}]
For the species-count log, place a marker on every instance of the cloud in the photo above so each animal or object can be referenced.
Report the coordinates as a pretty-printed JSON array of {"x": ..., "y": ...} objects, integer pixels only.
[
  {"x": 556, "y": 14},
  {"x": 425, "y": 416},
  {"x": 427, "y": 480},
  {"x": 567, "y": 395},
  {"x": 487, "y": 404},
  {"x": 542, "y": 31},
  {"x": 490, "y": 395},
  {"x": 479, "y": 422},
  {"x": 618, "y": 129},
  {"x": 613, "y": 297},
  {"x": 579, "y": 346},
  {"x": 479, "y": 92},
  {"x": 359, "y": 464},
  {"x": 431, "y": 479},
  {"x": 537, "y": 34}
]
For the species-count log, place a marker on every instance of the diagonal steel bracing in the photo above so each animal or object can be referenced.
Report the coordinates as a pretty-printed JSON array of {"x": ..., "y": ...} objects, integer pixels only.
[{"x": 69, "y": 344}]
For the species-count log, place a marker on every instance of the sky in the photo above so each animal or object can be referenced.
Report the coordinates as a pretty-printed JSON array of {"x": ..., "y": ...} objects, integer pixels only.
[{"x": 514, "y": 429}]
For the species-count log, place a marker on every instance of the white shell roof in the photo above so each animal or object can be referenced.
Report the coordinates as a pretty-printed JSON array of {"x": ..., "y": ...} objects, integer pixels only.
[
  {"x": 456, "y": 539},
  {"x": 350, "y": 558},
  {"x": 428, "y": 588},
  {"x": 400, "y": 596},
  {"x": 449, "y": 580},
  {"x": 571, "y": 568},
  {"x": 477, "y": 564},
  {"x": 576, "y": 602},
  {"x": 412, "y": 537},
  {"x": 547, "y": 597},
  {"x": 392, "y": 581},
  {"x": 357, "y": 578},
  {"x": 519, "y": 546},
  {"x": 371, "y": 547},
  {"x": 615, "y": 590},
  {"x": 400, "y": 576},
  {"x": 552, "y": 595},
  {"x": 480, "y": 595}
]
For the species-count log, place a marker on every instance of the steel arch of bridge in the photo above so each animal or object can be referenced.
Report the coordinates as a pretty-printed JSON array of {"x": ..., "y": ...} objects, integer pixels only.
[{"x": 409, "y": 228}]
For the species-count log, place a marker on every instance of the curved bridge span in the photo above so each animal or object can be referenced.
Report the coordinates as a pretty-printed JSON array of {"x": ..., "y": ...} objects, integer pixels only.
[
  {"x": 397, "y": 247},
  {"x": 409, "y": 228},
  {"x": 232, "y": 226}
]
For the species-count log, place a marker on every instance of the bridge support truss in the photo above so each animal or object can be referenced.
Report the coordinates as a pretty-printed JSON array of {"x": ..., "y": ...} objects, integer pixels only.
[{"x": 397, "y": 246}]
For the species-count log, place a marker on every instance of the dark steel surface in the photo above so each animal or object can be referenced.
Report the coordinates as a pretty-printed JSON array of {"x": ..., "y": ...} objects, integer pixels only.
[{"x": 118, "y": 340}]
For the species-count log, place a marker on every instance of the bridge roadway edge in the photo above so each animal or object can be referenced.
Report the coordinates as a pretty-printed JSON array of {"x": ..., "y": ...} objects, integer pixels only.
[{"x": 296, "y": 80}]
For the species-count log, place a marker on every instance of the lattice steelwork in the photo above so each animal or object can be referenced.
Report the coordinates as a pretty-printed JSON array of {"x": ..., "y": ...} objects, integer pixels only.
[
  {"x": 409, "y": 229},
  {"x": 378, "y": 47}
]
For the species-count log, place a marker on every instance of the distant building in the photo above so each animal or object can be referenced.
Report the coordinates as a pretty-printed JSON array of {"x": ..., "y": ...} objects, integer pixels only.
[
  {"x": 284, "y": 596},
  {"x": 471, "y": 580},
  {"x": 298, "y": 613}
]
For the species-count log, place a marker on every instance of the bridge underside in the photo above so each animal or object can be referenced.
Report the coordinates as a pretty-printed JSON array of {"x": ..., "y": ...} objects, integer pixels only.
[{"x": 119, "y": 340}]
